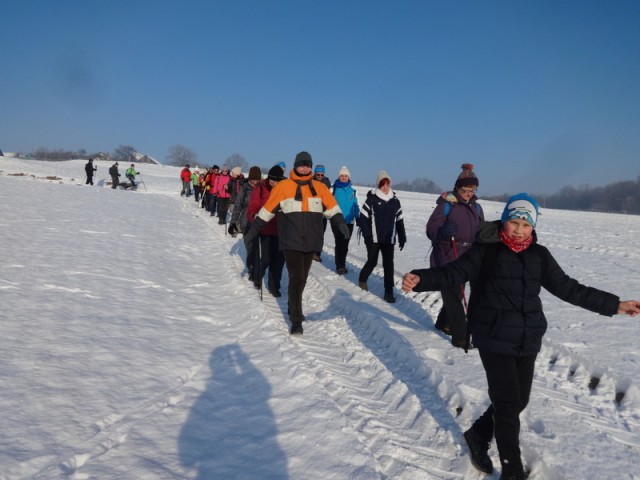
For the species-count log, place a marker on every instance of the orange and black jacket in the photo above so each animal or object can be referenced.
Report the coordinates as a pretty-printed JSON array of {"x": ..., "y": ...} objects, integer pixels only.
[{"x": 300, "y": 204}]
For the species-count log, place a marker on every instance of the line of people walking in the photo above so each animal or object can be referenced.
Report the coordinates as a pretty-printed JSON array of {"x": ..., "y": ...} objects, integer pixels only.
[{"x": 283, "y": 220}]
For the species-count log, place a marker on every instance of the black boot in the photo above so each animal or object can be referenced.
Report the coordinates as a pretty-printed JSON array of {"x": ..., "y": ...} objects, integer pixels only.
[
  {"x": 478, "y": 449},
  {"x": 296, "y": 328}
]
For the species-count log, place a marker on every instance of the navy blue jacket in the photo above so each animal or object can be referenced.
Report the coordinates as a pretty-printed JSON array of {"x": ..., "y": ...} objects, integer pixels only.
[{"x": 381, "y": 220}]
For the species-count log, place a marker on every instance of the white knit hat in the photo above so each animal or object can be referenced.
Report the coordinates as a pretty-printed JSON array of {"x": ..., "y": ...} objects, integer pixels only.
[
  {"x": 381, "y": 176},
  {"x": 236, "y": 171},
  {"x": 344, "y": 171}
]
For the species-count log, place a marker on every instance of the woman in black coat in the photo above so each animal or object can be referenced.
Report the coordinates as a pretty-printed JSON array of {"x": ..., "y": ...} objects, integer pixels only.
[{"x": 507, "y": 269}]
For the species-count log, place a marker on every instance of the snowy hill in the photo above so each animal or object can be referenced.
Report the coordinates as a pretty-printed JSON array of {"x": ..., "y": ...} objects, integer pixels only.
[{"x": 133, "y": 346}]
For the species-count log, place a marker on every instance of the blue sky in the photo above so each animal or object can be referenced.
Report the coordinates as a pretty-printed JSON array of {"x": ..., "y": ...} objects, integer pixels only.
[{"x": 536, "y": 94}]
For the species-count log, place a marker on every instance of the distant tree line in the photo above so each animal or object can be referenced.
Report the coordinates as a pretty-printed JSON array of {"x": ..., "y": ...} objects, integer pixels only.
[
  {"x": 58, "y": 154},
  {"x": 422, "y": 185},
  {"x": 618, "y": 197}
]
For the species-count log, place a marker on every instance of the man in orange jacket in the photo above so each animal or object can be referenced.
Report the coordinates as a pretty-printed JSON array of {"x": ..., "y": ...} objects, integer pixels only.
[{"x": 300, "y": 203}]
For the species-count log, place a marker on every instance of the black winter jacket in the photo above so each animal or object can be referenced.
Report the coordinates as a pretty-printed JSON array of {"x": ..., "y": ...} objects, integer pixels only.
[
  {"x": 382, "y": 220},
  {"x": 505, "y": 314}
]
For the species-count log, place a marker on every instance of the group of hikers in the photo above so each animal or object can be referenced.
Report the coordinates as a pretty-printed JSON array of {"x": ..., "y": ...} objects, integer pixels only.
[
  {"x": 130, "y": 174},
  {"x": 283, "y": 220}
]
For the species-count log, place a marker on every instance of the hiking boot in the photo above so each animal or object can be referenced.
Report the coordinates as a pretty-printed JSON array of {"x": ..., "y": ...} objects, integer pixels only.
[
  {"x": 364, "y": 286},
  {"x": 478, "y": 449},
  {"x": 275, "y": 293},
  {"x": 342, "y": 271},
  {"x": 389, "y": 298},
  {"x": 296, "y": 328}
]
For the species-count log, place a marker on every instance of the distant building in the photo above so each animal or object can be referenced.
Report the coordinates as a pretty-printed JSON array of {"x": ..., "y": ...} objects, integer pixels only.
[
  {"x": 141, "y": 158},
  {"x": 102, "y": 156}
]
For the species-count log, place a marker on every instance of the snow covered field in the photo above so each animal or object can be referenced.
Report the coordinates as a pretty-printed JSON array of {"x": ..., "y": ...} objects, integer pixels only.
[{"x": 134, "y": 347}]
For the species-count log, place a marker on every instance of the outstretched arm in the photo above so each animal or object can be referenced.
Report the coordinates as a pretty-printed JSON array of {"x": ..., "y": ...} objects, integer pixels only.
[
  {"x": 629, "y": 307},
  {"x": 409, "y": 280}
]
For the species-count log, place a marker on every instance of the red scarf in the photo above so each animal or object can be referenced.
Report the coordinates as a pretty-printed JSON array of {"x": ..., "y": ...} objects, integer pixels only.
[{"x": 513, "y": 244}]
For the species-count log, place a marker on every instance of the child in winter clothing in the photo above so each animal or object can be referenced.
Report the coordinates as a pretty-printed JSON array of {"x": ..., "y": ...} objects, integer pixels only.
[
  {"x": 348, "y": 202},
  {"x": 507, "y": 268},
  {"x": 300, "y": 203},
  {"x": 382, "y": 223},
  {"x": 452, "y": 229}
]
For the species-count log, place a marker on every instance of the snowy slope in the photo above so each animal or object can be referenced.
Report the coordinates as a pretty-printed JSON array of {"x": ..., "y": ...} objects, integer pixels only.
[{"x": 134, "y": 347}]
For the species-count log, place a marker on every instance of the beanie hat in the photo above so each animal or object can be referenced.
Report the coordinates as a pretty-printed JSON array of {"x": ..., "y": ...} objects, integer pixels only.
[
  {"x": 276, "y": 173},
  {"x": 344, "y": 171},
  {"x": 282, "y": 165},
  {"x": 319, "y": 169},
  {"x": 255, "y": 173},
  {"x": 522, "y": 206},
  {"x": 225, "y": 168},
  {"x": 215, "y": 167},
  {"x": 467, "y": 178},
  {"x": 383, "y": 177},
  {"x": 237, "y": 171},
  {"x": 303, "y": 159}
]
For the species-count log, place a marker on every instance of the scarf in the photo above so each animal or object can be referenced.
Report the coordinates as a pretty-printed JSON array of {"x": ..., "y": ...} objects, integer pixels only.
[
  {"x": 513, "y": 244},
  {"x": 301, "y": 183},
  {"x": 383, "y": 196},
  {"x": 339, "y": 184}
]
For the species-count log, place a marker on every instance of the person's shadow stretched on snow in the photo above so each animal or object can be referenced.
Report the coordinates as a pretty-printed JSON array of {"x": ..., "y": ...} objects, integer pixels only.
[{"x": 231, "y": 431}]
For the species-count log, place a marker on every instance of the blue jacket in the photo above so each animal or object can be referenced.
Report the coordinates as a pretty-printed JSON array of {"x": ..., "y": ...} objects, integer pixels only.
[{"x": 348, "y": 202}]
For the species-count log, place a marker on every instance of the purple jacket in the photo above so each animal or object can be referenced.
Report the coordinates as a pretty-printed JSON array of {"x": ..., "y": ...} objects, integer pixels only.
[{"x": 466, "y": 217}]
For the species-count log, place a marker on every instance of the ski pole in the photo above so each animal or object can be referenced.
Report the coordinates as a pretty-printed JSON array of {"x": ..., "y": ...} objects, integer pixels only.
[
  {"x": 467, "y": 341},
  {"x": 260, "y": 265},
  {"x": 455, "y": 255}
]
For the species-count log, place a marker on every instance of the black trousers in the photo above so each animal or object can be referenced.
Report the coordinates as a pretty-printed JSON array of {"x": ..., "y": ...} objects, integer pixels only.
[
  {"x": 342, "y": 246},
  {"x": 373, "y": 250},
  {"x": 509, "y": 378},
  {"x": 452, "y": 313},
  {"x": 298, "y": 266},
  {"x": 223, "y": 208},
  {"x": 267, "y": 256}
]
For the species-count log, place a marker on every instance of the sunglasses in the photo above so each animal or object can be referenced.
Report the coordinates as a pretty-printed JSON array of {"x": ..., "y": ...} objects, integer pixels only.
[{"x": 469, "y": 190}]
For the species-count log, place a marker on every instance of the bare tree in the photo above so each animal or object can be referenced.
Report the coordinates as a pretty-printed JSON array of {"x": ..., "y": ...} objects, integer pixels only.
[
  {"x": 180, "y": 155},
  {"x": 124, "y": 153},
  {"x": 236, "y": 160}
]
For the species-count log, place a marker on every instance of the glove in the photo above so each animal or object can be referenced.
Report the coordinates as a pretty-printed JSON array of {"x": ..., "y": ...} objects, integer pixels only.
[
  {"x": 233, "y": 229},
  {"x": 448, "y": 230},
  {"x": 402, "y": 245},
  {"x": 344, "y": 230},
  {"x": 253, "y": 232}
]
